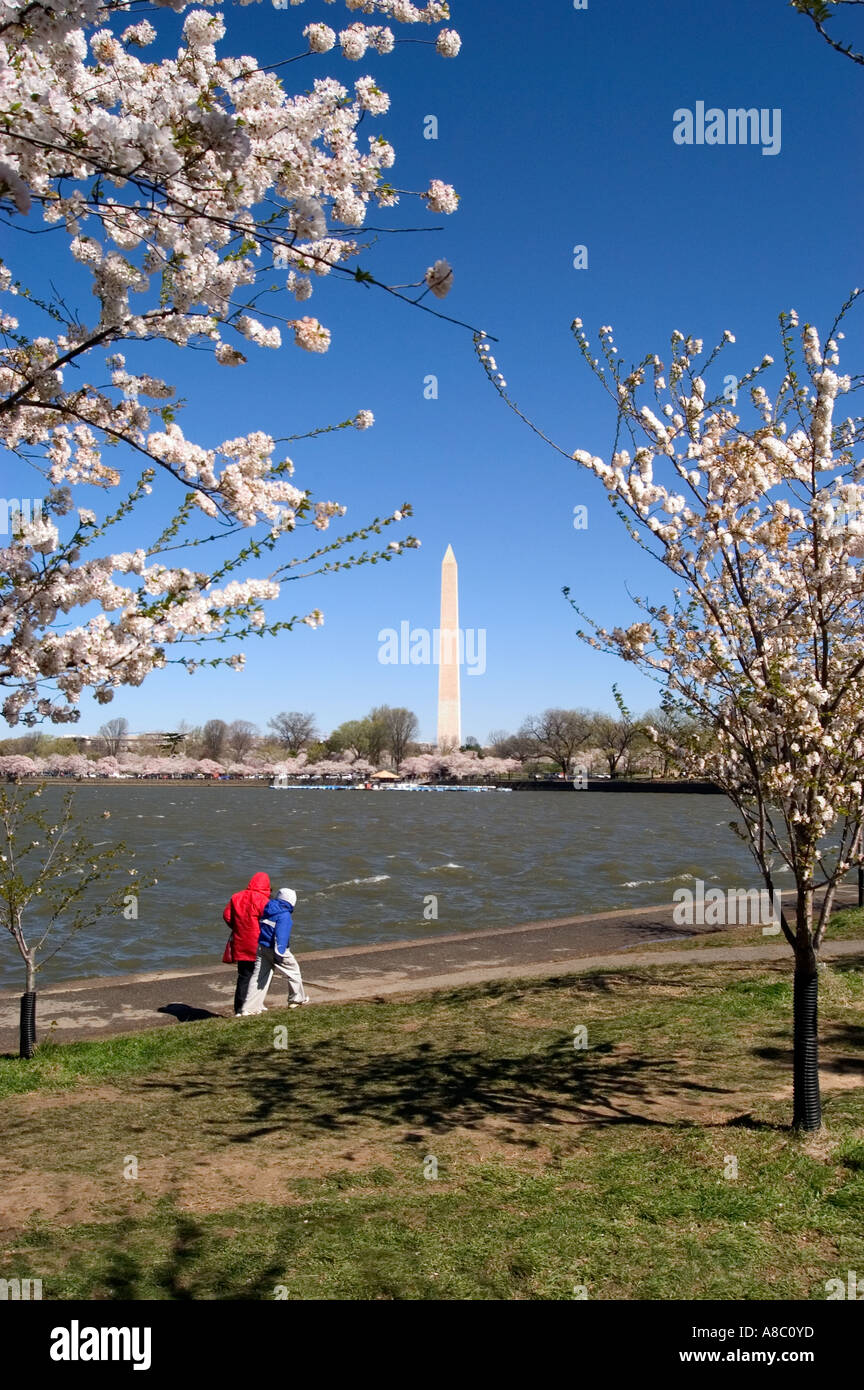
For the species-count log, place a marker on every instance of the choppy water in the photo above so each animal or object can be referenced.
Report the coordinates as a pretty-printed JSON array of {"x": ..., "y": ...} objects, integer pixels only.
[{"x": 363, "y": 863}]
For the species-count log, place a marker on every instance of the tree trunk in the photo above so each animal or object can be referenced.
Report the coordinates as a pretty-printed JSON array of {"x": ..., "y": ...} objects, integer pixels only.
[
  {"x": 27, "y": 1025},
  {"x": 807, "y": 1106}
]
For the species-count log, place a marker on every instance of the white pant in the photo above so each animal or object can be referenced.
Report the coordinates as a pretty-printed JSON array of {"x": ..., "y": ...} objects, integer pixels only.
[{"x": 266, "y": 964}]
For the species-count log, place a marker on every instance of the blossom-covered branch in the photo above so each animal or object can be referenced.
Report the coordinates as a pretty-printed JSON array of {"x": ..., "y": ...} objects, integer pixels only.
[{"x": 181, "y": 187}]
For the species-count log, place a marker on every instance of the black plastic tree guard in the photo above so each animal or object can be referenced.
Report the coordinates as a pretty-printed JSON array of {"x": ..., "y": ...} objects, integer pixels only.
[
  {"x": 28, "y": 1024},
  {"x": 807, "y": 1109}
]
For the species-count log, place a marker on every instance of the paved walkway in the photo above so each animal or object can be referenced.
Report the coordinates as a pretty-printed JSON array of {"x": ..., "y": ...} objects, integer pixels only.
[{"x": 124, "y": 1003}]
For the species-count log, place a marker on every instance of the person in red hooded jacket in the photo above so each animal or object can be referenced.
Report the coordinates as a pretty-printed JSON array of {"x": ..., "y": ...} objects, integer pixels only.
[{"x": 242, "y": 915}]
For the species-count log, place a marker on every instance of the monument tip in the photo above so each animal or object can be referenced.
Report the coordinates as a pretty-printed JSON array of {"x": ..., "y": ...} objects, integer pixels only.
[{"x": 449, "y": 556}]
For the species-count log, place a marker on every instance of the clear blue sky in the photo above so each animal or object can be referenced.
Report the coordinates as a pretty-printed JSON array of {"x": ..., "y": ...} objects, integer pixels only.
[{"x": 555, "y": 125}]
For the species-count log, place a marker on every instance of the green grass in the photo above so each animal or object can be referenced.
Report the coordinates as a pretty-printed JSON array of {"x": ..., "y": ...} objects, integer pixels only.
[
  {"x": 305, "y": 1168},
  {"x": 59, "y": 1066}
]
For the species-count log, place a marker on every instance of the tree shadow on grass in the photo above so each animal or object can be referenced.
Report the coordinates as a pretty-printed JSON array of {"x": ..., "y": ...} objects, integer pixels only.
[
  {"x": 853, "y": 963},
  {"x": 334, "y": 1085},
  {"x": 749, "y": 1121},
  {"x": 178, "y": 1275},
  {"x": 632, "y": 978},
  {"x": 831, "y": 1060}
]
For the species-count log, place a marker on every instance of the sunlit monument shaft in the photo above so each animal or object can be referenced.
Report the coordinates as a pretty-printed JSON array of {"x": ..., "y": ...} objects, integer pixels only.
[{"x": 449, "y": 713}]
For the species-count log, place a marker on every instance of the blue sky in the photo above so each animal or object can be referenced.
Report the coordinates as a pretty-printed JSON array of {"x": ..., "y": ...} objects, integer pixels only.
[{"x": 555, "y": 125}]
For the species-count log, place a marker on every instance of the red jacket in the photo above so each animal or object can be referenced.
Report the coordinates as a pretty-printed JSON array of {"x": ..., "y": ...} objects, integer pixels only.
[{"x": 242, "y": 915}]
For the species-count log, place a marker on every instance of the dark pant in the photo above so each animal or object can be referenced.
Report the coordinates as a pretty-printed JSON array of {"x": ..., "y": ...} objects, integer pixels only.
[{"x": 244, "y": 975}]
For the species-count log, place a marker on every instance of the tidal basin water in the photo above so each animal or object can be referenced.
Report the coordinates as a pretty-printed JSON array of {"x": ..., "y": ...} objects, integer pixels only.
[{"x": 364, "y": 864}]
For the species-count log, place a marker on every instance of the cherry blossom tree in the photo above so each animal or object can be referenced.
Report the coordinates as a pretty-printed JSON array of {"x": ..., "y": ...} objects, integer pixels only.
[
  {"x": 290, "y": 767},
  {"x": 329, "y": 769},
  {"x": 181, "y": 187},
  {"x": 244, "y": 769},
  {"x": 148, "y": 766},
  {"x": 500, "y": 767},
  {"x": 418, "y": 766},
  {"x": 208, "y": 768},
  {"x": 760, "y": 524},
  {"x": 77, "y": 765},
  {"x": 17, "y": 765},
  {"x": 361, "y": 767}
]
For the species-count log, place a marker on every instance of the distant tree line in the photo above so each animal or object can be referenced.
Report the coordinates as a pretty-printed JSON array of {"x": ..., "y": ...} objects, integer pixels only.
[
  {"x": 619, "y": 745},
  {"x": 559, "y": 740}
]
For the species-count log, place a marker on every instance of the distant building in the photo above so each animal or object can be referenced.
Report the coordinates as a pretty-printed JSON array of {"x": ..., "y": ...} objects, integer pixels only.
[{"x": 91, "y": 743}]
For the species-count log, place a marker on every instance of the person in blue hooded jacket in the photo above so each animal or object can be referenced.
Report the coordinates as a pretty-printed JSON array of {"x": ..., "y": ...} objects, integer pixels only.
[{"x": 274, "y": 956}]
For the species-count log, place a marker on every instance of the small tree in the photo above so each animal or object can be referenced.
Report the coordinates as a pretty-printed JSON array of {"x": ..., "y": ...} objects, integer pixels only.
[
  {"x": 519, "y": 746},
  {"x": 114, "y": 735},
  {"x": 617, "y": 739},
  {"x": 762, "y": 529},
  {"x": 213, "y": 737},
  {"x": 241, "y": 738},
  {"x": 294, "y": 730},
  {"x": 28, "y": 744},
  {"x": 378, "y": 733},
  {"x": 367, "y": 737},
  {"x": 400, "y": 729},
  {"x": 349, "y": 736},
  {"x": 52, "y": 872},
  {"x": 559, "y": 734}
]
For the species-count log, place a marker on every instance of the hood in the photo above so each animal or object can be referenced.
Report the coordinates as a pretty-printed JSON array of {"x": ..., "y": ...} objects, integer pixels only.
[{"x": 260, "y": 883}]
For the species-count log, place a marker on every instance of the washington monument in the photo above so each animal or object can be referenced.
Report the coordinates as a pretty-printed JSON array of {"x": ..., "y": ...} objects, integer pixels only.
[{"x": 449, "y": 712}]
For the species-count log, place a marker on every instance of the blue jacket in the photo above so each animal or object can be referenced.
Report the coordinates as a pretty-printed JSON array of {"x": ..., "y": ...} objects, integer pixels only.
[{"x": 275, "y": 922}]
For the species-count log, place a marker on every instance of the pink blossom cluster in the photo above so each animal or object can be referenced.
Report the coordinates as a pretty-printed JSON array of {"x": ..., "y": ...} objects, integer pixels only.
[
  {"x": 458, "y": 765},
  {"x": 423, "y": 766}
]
